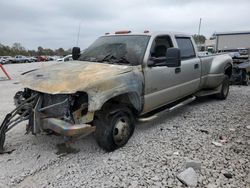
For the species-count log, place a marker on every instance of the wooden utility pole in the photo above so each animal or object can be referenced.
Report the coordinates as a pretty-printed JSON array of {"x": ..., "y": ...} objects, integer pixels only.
[
  {"x": 199, "y": 30},
  {"x": 79, "y": 30}
]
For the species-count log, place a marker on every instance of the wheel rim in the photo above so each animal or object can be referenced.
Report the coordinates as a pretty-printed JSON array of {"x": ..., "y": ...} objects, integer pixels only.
[{"x": 121, "y": 131}]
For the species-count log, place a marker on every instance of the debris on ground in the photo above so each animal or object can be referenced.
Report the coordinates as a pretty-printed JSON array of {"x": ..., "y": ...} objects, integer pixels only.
[
  {"x": 212, "y": 185},
  {"x": 217, "y": 144},
  {"x": 223, "y": 139},
  {"x": 65, "y": 149},
  {"x": 176, "y": 153},
  {"x": 195, "y": 164},
  {"x": 228, "y": 175},
  {"x": 204, "y": 131},
  {"x": 188, "y": 177}
]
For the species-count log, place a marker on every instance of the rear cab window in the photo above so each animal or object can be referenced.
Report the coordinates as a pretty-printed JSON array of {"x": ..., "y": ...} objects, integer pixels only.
[
  {"x": 160, "y": 46},
  {"x": 186, "y": 47}
]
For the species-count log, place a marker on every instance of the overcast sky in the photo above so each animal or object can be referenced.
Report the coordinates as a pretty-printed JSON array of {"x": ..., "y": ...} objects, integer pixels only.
[{"x": 54, "y": 23}]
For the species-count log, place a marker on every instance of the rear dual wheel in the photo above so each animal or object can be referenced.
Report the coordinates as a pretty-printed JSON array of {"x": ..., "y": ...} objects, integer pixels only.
[{"x": 224, "y": 89}]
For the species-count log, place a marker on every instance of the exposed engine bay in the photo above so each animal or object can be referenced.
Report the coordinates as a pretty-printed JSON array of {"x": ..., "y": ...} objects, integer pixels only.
[{"x": 65, "y": 114}]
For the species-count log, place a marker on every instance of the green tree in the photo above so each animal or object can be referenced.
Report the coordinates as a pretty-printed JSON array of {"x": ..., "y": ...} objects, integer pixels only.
[
  {"x": 18, "y": 49},
  {"x": 199, "y": 39},
  {"x": 60, "y": 52},
  {"x": 32, "y": 52},
  {"x": 40, "y": 50}
]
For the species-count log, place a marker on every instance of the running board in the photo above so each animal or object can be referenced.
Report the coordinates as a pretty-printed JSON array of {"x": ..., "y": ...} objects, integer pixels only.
[
  {"x": 203, "y": 93},
  {"x": 175, "y": 107}
]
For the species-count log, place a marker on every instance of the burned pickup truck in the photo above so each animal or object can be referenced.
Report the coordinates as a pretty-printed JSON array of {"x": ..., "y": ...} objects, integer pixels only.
[{"x": 121, "y": 77}]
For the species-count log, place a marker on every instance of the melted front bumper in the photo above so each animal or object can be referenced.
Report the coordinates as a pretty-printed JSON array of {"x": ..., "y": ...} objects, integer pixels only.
[{"x": 67, "y": 129}]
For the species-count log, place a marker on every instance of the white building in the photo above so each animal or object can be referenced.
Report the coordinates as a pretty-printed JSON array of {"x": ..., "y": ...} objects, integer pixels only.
[{"x": 232, "y": 40}]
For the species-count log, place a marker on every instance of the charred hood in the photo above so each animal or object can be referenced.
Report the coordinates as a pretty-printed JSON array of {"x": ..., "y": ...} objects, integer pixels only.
[{"x": 71, "y": 77}]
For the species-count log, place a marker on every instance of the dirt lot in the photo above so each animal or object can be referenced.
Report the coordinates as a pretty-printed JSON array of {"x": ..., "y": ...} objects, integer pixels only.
[{"x": 154, "y": 156}]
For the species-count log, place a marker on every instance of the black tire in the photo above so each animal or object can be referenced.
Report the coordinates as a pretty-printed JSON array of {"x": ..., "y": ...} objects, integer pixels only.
[
  {"x": 2, "y": 141},
  {"x": 246, "y": 81},
  {"x": 114, "y": 127},
  {"x": 224, "y": 89}
]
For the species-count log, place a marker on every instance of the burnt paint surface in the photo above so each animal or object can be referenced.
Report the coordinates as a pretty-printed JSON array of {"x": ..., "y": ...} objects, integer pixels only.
[{"x": 99, "y": 80}]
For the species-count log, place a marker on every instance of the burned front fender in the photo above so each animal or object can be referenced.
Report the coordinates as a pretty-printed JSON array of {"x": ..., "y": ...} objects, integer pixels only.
[{"x": 129, "y": 83}]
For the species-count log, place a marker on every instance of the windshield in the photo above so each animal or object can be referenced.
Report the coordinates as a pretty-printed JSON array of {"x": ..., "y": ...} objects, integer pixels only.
[{"x": 117, "y": 49}]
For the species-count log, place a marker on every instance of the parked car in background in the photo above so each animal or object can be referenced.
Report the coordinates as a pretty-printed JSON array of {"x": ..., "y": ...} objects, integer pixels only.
[
  {"x": 42, "y": 58},
  {"x": 66, "y": 58},
  {"x": 6, "y": 59},
  {"x": 50, "y": 58},
  {"x": 2, "y": 60},
  {"x": 54, "y": 58},
  {"x": 204, "y": 53},
  {"x": 20, "y": 59},
  {"x": 33, "y": 59}
]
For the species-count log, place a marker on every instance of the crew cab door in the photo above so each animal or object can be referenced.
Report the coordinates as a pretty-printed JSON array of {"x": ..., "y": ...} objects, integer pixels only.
[
  {"x": 161, "y": 82},
  {"x": 190, "y": 72}
]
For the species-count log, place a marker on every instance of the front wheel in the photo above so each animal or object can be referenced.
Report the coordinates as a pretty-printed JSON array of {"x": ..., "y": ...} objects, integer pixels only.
[
  {"x": 222, "y": 95},
  {"x": 114, "y": 128}
]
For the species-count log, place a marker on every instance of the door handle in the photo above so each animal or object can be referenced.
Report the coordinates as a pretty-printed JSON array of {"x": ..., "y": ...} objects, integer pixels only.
[
  {"x": 196, "y": 66},
  {"x": 177, "y": 70}
]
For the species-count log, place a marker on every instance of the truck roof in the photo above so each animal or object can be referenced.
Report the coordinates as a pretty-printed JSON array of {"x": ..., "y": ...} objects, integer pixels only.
[{"x": 148, "y": 33}]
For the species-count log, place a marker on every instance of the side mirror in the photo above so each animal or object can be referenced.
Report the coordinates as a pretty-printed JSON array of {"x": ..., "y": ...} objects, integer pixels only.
[
  {"x": 76, "y": 52},
  {"x": 173, "y": 56}
]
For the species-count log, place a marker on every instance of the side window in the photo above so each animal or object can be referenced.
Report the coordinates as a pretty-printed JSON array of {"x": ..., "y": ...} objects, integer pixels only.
[
  {"x": 186, "y": 46},
  {"x": 160, "y": 46}
]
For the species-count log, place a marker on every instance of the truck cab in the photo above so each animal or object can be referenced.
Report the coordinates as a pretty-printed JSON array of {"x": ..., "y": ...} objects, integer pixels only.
[{"x": 179, "y": 80}]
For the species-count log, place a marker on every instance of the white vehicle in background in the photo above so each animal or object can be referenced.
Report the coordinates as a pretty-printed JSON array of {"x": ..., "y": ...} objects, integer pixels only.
[
  {"x": 32, "y": 59},
  {"x": 2, "y": 61},
  {"x": 6, "y": 59},
  {"x": 21, "y": 59},
  {"x": 66, "y": 58},
  {"x": 53, "y": 58},
  {"x": 205, "y": 53}
]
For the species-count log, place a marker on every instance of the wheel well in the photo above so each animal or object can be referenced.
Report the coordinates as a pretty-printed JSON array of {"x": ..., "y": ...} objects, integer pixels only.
[
  {"x": 130, "y": 100},
  {"x": 228, "y": 71}
]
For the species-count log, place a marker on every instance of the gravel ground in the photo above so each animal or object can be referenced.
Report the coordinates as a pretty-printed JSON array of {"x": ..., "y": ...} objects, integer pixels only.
[{"x": 154, "y": 156}]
